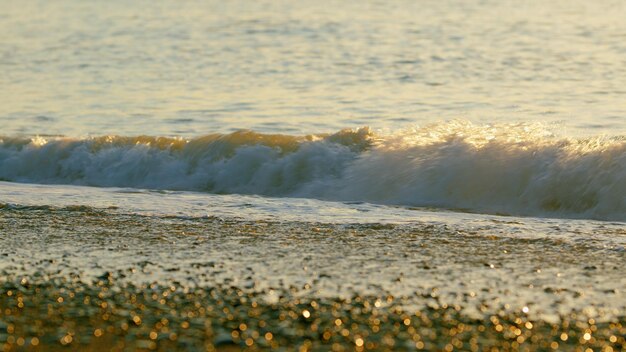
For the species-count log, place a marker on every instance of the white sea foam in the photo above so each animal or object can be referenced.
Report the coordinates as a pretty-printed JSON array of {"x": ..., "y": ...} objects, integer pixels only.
[{"x": 509, "y": 169}]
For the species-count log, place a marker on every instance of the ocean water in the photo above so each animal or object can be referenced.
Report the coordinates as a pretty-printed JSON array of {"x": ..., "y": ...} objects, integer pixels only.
[
  {"x": 494, "y": 118},
  {"x": 191, "y": 68},
  {"x": 482, "y": 106}
]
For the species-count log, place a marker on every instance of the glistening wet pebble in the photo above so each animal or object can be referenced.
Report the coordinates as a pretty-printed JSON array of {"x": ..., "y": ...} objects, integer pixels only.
[{"x": 106, "y": 315}]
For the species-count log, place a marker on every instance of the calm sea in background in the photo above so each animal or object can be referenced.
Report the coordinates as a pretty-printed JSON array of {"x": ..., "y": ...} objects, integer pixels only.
[
  {"x": 188, "y": 68},
  {"x": 494, "y": 107}
]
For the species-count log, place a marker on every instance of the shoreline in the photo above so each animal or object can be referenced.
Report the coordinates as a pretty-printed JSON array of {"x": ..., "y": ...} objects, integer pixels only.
[{"x": 535, "y": 286}]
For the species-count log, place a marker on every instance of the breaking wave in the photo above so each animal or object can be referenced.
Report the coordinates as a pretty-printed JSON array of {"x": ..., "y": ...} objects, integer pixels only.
[{"x": 506, "y": 169}]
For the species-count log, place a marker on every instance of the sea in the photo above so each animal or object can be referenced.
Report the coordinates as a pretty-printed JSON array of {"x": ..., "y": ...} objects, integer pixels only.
[{"x": 503, "y": 118}]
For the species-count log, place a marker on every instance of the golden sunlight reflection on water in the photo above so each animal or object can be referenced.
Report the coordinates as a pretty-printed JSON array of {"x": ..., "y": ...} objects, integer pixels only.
[{"x": 190, "y": 68}]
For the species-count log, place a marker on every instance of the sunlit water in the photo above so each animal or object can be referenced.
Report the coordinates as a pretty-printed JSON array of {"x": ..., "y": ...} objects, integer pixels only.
[
  {"x": 535, "y": 92},
  {"x": 189, "y": 68}
]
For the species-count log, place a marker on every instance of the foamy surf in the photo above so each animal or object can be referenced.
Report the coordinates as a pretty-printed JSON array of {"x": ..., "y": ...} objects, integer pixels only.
[{"x": 504, "y": 169}]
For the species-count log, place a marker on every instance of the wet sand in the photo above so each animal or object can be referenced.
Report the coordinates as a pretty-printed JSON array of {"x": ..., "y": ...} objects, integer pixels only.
[{"x": 100, "y": 280}]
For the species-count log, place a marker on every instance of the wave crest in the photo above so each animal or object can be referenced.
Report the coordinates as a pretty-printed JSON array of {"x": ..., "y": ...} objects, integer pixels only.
[
  {"x": 511, "y": 169},
  {"x": 508, "y": 169}
]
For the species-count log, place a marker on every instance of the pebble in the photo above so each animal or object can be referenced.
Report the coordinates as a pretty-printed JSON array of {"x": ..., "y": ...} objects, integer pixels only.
[{"x": 119, "y": 316}]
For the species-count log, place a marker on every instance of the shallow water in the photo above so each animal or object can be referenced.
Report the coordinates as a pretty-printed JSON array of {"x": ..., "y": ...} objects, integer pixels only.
[{"x": 479, "y": 264}]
